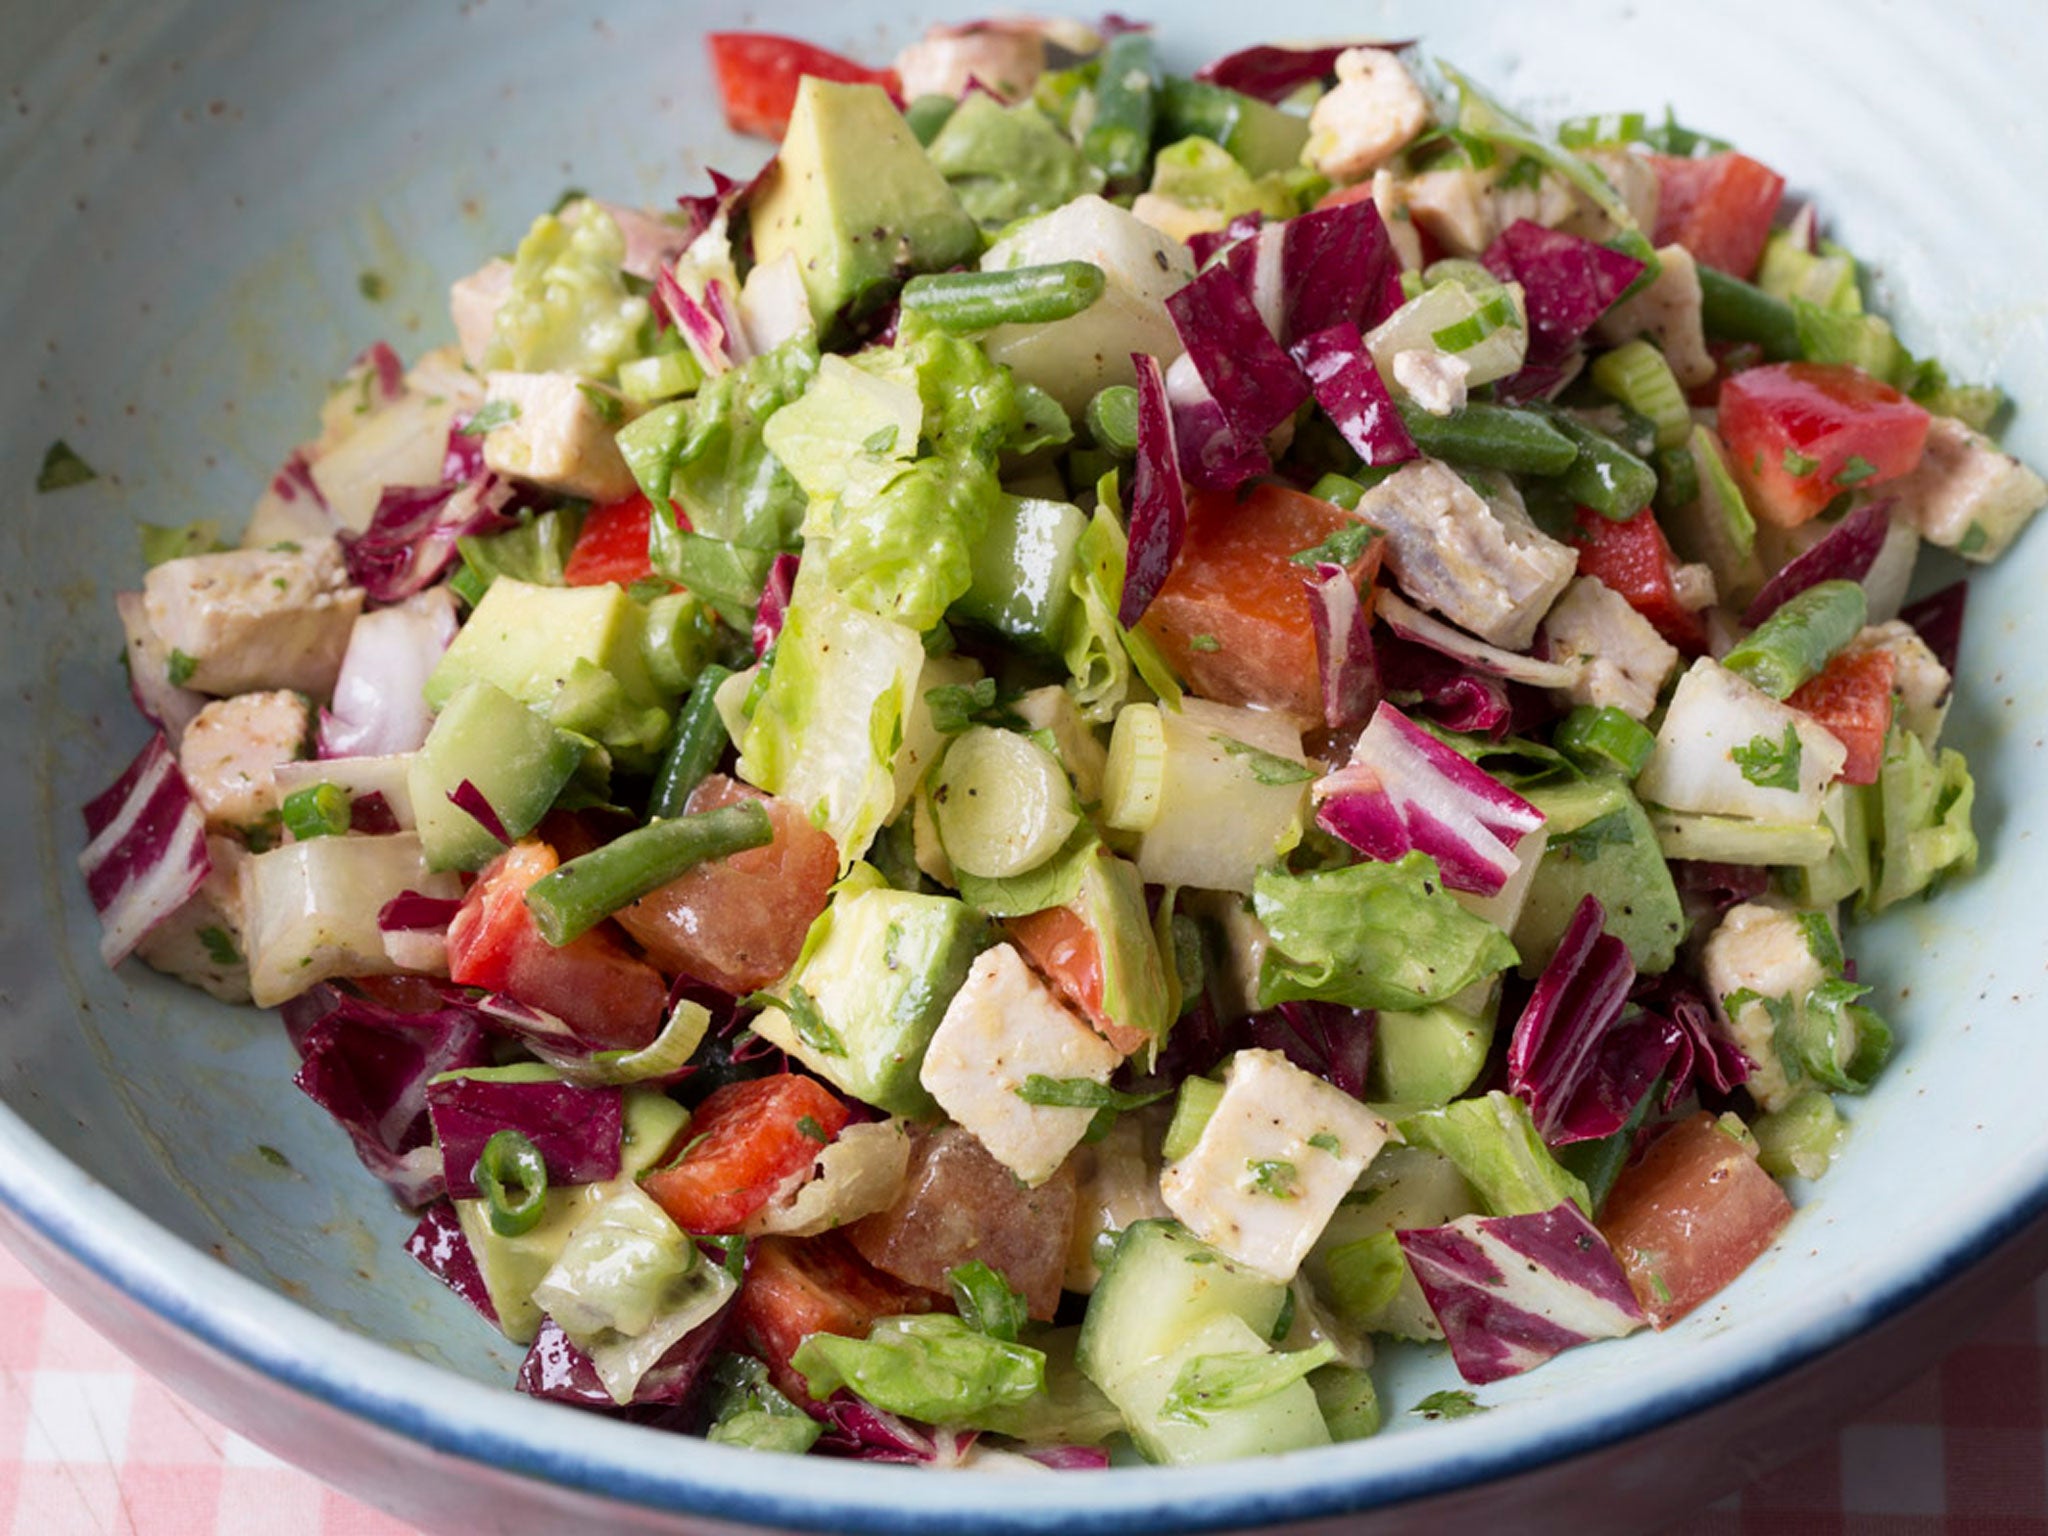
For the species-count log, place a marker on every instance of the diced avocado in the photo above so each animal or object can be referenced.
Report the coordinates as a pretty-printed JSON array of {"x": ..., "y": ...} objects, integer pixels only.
[
  {"x": 1200, "y": 173},
  {"x": 1261, "y": 137},
  {"x": 1432, "y": 1055},
  {"x": 513, "y": 1266},
  {"x": 1023, "y": 573},
  {"x": 1601, "y": 844},
  {"x": 591, "y": 702},
  {"x": 527, "y": 638},
  {"x": 515, "y": 759},
  {"x": 1355, "y": 1265},
  {"x": 876, "y": 974},
  {"x": 1007, "y": 163},
  {"x": 854, "y": 196},
  {"x": 1111, "y": 901}
]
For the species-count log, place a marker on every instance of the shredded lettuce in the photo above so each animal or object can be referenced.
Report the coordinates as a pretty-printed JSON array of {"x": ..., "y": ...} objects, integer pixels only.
[
  {"x": 934, "y": 1368},
  {"x": 570, "y": 309},
  {"x": 1493, "y": 1141},
  {"x": 1921, "y": 819}
]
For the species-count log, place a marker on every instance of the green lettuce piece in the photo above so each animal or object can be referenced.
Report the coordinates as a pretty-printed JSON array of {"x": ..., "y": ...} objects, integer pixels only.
[
  {"x": 1071, "y": 1410},
  {"x": 933, "y": 1368},
  {"x": 747, "y": 1410},
  {"x": 1493, "y": 1141},
  {"x": 570, "y": 309},
  {"x": 1372, "y": 935},
  {"x": 161, "y": 543},
  {"x": 971, "y": 406},
  {"x": 709, "y": 455},
  {"x": 1200, "y": 173},
  {"x": 1921, "y": 819},
  {"x": 727, "y": 576},
  {"x": 827, "y": 727},
  {"x": 1007, "y": 163},
  {"x": 537, "y": 551},
  {"x": 906, "y": 552},
  {"x": 845, "y": 416},
  {"x": 1099, "y": 652}
]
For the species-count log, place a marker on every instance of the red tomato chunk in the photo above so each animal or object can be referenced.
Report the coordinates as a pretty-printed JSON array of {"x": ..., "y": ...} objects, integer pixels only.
[
  {"x": 758, "y": 75},
  {"x": 796, "y": 1287},
  {"x": 1720, "y": 208},
  {"x": 1690, "y": 1217},
  {"x": 745, "y": 1143},
  {"x": 1633, "y": 558},
  {"x": 1800, "y": 434},
  {"x": 1852, "y": 697},
  {"x": 612, "y": 546}
]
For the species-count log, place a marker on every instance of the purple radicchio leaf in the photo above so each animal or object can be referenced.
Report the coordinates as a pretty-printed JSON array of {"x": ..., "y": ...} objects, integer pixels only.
[
  {"x": 411, "y": 540},
  {"x": 774, "y": 604},
  {"x": 1558, "y": 1057},
  {"x": 1353, "y": 395},
  {"x": 411, "y": 912},
  {"x": 1272, "y": 74},
  {"x": 1327, "y": 1039},
  {"x": 1204, "y": 244},
  {"x": 1703, "y": 1051},
  {"x": 145, "y": 853},
  {"x": 667, "y": 1397},
  {"x": 1159, "y": 501},
  {"x": 576, "y": 1129},
  {"x": 440, "y": 1247},
  {"x": 372, "y": 816},
  {"x": 1511, "y": 1292},
  {"x": 702, "y": 332},
  {"x": 1845, "y": 552},
  {"x": 862, "y": 1432},
  {"x": 1257, "y": 384},
  {"x": 385, "y": 367},
  {"x": 1212, "y": 456},
  {"x": 726, "y": 197},
  {"x": 1938, "y": 620},
  {"x": 1338, "y": 267},
  {"x": 1455, "y": 697},
  {"x": 1345, "y": 663},
  {"x": 1568, "y": 282},
  {"x": 470, "y": 800}
]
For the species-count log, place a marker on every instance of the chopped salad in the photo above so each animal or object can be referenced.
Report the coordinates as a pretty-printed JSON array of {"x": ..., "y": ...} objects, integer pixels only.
[{"x": 1010, "y": 789}]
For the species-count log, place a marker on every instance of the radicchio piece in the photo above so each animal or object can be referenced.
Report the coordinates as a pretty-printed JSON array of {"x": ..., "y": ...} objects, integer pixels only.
[
  {"x": 1159, "y": 501},
  {"x": 774, "y": 604},
  {"x": 1513, "y": 1291},
  {"x": 371, "y": 816},
  {"x": 1248, "y": 375},
  {"x": 1558, "y": 1061},
  {"x": 1344, "y": 652},
  {"x": 411, "y": 540},
  {"x": 146, "y": 849},
  {"x": 666, "y": 1397},
  {"x": 369, "y": 1065},
  {"x": 1939, "y": 621},
  {"x": 1271, "y": 74},
  {"x": 1703, "y": 1050},
  {"x": 443, "y": 1251},
  {"x": 701, "y": 329},
  {"x": 1404, "y": 790},
  {"x": 1212, "y": 456},
  {"x": 1353, "y": 395},
  {"x": 1710, "y": 887},
  {"x": 1568, "y": 282},
  {"x": 576, "y": 1130},
  {"x": 294, "y": 478},
  {"x": 470, "y": 800},
  {"x": 1068, "y": 1458},
  {"x": 1338, "y": 266},
  {"x": 862, "y": 1432},
  {"x": 724, "y": 304},
  {"x": 379, "y": 705},
  {"x": 1327, "y": 1039},
  {"x": 411, "y": 912},
  {"x": 1844, "y": 553},
  {"x": 1411, "y": 623},
  {"x": 1453, "y": 696},
  {"x": 726, "y": 197},
  {"x": 1203, "y": 244},
  {"x": 383, "y": 365}
]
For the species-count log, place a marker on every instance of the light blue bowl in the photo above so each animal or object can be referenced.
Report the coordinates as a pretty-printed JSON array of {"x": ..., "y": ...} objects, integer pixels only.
[{"x": 190, "y": 194}]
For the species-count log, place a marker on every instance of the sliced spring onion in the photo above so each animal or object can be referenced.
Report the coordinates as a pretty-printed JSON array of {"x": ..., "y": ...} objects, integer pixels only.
[
  {"x": 1605, "y": 740},
  {"x": 318, "y": 810},
  {"x": 1136, "y": 774},
  {"x": 514, "y": 1179},
  {"x": 1637, "y": 375}
]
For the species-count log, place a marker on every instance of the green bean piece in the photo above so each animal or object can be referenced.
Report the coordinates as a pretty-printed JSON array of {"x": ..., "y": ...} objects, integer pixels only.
[
  {"x": 1112, "y": 419},
  {"x": 698, "y": 744},
  {"x": 1605, "y": 740},
  {"x": 1119, "y": 139},
  {"x": 1796, "y": 641},
  {"x": 1678, "y": 479},
  {"x": 514, "y": 1179},
  {"x": 1605, "y": 476},
  {"x": 1351, "y": 1408},
  {"x": 927, "y": 115},
  {"x": 318, "y": 810},
  {"x": 1485, "y": 436},
  {"x": 1732, "y": 310},
  {"x": 966, "y": 302},
  {"x": 1339, "y": 490},
  {"x": 585, "y": 891}
]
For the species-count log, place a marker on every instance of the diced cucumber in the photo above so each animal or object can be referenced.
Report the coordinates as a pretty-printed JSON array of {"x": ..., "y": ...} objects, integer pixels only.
[
  {"x": 514, "y": 758},
  {"x": 1023, "y": 573},
  {"x": 1161, "y": 1287},
  {"x": 1601, "y": 844},
  {"x": 1290, "y": 1419},
  {"x": 1403, "y": 1187}
]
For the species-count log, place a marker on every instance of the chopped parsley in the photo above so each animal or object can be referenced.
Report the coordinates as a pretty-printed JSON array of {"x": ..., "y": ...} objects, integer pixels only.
[
  {"x": 220, "y": 946},
  {"x": 808, "y": 1126},
  {"x": 1854, "y": 471},
  {"x": 1323, "y": 1141},
  {"x": 1974, "y": 539},
  {"x": 804, "y": 1017},
  {"x": 1344, "y": 547},
  {"x": 1274, "y": 1177},
  {"x": 1821, "y": 942},
  {"x": 1217, "y": 1383},
  {"x": 1267, "y": 767},
  {"x": 272, "y": 1156},
  {"x": 1456, "y": 1403},
  {"x": 371, "y": 285},
  {"x": 1584, "y": 843},
  {"x": 491, "y": 414},
  {"x": 63, "y": 468},
  {"x": 1770, "y": 764},
  {"x": 1081, "y": 1093},
  {"x": 179, "y": 669},
  {"x": 611, "y": 410},
  {"x": 955, "y": 705},
  {"x": 882, "y": 441},
  {"x": 1204, "y": 643},
  {"x": 1798, "y": 464}
]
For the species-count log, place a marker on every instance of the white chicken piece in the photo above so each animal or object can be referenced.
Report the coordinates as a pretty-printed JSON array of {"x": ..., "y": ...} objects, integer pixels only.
[
  {"x": 1921, "y": 686},
  {"x": 201, "y": 942},
  {"x": 399, "y": 442},
  {"x": 1274, "y": 1160},
  {"x": 1486, "y": 567},
  {"x": 150, "y": 670},
  {"x": 1116, "y": 1184},
  {"x": 473, "y": 304},
  {"x": 1367, "y": 118},
  {"x": 246, "y": 620},
  {"x": 1624, "y": 661},
  {"x": 231, "y": 751},
  {"x": 1005, "y": 59},
  {"x": 1434, "y": 380},
  {"x": 559, "y": 439},
  {"x": 1632, "y": 176},
  {"x": 1454, "y": 208},
  {"x": 1967, "y": 494},
  {"x": 1727, "y": 748},
  {"x": 1390, "y": 198},
  {"x": 1002, "y": 1027},
  {"x": 1764, "y": 951},
  {"x": 1668, "y": 312}
]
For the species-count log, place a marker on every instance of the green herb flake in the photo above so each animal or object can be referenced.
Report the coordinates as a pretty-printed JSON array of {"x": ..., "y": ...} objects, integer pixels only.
[
  {"x": 1798, "y": 465},
  {"x": 489, "y": 416},
  {"x": 371, "y": 285},
  {"x": 1081, "y": 1093},
  {"x": 987, "y": 1303},
  {"x": 1821, "y": 942},
  {"x": 1324, "y": 1141},
  {"x": 610, "y": 409},
  {"x": 272, "y": 1156},
  {"x": 1204, "y": 643},
  {"x": 1219, "y": 1383},
  {"x": 954, "y": 705},
  {"x": 1274, "y": 1177},
  {"x": 220, "y": 946},
  {"x": 881, "y": 442},
  {"x": 179, "y": 669},
  {"x": 811, "y": 1027},
  {"x": 1453, "y": 1404},
  {"x": 1344, "y": 547},
  {"x": 1770, "y": 764},
  {"x": 1584, "y": 843},
  {"x": 568, "y": 195},
  {"x": 1854, "y": 471},
  {"x": 1659, "y": 1289},
  {"x": 809, "y": 1127},
  {"x": 63, "y": 468},
  {"x": 1267, "y": 767},
  {"x": 1974, "y": 539}
]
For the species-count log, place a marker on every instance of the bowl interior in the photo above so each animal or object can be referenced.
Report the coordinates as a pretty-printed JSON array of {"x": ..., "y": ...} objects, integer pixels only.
[{"x": 194, "y": 195}]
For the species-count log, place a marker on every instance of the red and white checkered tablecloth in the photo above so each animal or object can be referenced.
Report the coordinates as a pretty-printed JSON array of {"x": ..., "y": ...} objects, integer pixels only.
[{"x": 91, "y": 1446}]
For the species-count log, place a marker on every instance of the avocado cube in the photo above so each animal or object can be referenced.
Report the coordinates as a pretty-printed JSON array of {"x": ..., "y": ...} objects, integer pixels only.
[
  {"x": 1023, "y": 573},
  {"x": 1601, "y": 844},
  {"x": 527, "y": 639},
  {"x": 857, "y": 200},
  {"x": 515, "y": 759},
  {"x": 879, "y": 970}
]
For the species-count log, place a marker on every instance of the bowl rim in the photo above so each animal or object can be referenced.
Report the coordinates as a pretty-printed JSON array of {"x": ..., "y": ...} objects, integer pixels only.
[{"x": 253, "y": 1327}]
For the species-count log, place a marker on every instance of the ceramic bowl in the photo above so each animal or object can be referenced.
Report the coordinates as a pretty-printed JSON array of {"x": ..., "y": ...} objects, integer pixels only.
[{"x": 191, "y": 194}]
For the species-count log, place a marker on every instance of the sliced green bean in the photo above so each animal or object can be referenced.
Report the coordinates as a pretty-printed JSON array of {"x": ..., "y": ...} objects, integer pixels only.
[
  {"x": 1112, "y": 419},
  {"x": 1492, "y": 437},
  {"x": 1732, "y": 310},
  {"x": 585, "y": 891},
  {"x": 967, "y": 302},
  {"x": 1605, "y": 740},
  {"x": 1795, "y": 642},
  {"x": 1119, "y": 139},
  {"x": 694, "y": 751},
  {"x": 1604, "y": 476}
]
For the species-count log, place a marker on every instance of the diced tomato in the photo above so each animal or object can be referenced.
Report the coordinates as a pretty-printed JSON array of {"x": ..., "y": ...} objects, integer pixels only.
[
  {"x": 1852, "y": 697},
  {"x": 612, "y": 546},
  {"x": 1633, "y": 558},
  {"x": 745, "y": 1142},
  {"x": 1691, "y": 1216},
  {"x": 1720, "y": 208},
  {"x": 796, "y": 1287},
  {"x": 1799, "y": 434},
  {"x": 606, "y": 995},
  {"x": 758, "y": 74},
  {"x": 1233, "y": 616},
  {"x": 1066, "y": 952},
  {"x": 737, "y": 923}
]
